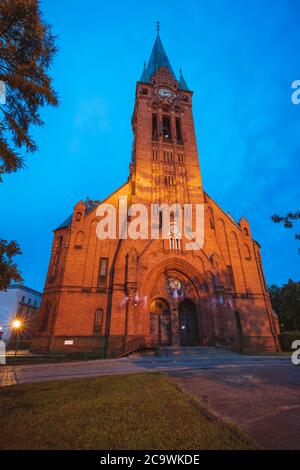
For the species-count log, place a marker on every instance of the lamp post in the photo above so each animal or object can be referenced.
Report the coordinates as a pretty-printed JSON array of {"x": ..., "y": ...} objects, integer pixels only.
[{"x": 16, "y": 326}]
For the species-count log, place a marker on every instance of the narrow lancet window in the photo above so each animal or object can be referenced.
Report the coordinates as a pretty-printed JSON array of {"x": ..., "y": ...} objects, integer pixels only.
[
  {"x": 178, "y": 131},
  {"x": 154, "y": 127},
  {"x": 167, "y": 128}
]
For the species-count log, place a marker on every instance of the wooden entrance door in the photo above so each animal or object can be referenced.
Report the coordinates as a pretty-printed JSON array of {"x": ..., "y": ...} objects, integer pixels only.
[
  {"x": 160, "y": 323},
  {"x": 188, "y": 324}
]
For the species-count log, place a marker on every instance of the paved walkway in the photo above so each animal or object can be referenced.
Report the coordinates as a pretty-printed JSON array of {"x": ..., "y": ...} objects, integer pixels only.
[
  {"x": 260, "y": 393},
  {"x": 186, "y": 359},
  {"x": 182, "y": 360}
]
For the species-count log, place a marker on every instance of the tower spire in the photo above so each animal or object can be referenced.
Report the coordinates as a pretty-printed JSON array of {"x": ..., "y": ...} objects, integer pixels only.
[
  {"x": 158, "y": 27},
  {"x": 182, "y": 82},
  {"x": 158, "y": 57},
  {"x": 144, "y": 77}
]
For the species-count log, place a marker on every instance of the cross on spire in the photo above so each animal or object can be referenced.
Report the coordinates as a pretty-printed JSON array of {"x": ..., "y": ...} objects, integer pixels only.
[{"x": 158, "y": 26}]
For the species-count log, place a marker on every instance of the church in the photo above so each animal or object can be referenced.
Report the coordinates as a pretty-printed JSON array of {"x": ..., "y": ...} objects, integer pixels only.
[{"x": 115, "y": 296}]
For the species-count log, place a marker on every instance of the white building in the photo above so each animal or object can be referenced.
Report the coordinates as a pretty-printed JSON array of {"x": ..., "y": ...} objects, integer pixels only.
[{"x": 17, "y": 301}]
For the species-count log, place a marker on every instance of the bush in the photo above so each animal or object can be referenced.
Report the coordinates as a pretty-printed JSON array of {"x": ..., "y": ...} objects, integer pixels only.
[{"x": 287, "y": 339}]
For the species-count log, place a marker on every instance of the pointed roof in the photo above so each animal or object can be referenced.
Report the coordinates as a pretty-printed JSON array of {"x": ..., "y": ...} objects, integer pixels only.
[
  {"x": 182, "y": 83},
  {"x": 144, "y": 77},
  {"x": 158, "y": 59},
  {"x": 90, "y": 205}
]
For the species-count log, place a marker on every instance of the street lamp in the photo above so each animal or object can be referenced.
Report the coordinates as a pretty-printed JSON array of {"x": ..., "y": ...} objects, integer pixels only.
[{"x": 16, "y": 325}]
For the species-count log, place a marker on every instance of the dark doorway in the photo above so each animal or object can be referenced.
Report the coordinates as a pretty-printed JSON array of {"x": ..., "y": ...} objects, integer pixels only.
[
  {"x": 160, "y": 323},
  {"x": 188, "y": 323}
]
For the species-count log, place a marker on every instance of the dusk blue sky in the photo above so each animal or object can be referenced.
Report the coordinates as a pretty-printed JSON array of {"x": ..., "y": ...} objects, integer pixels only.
[{"x": 239, "y": 58}]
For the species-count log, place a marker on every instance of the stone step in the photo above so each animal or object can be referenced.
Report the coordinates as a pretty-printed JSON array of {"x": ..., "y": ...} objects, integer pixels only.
[{"x": 188, "y": 350}]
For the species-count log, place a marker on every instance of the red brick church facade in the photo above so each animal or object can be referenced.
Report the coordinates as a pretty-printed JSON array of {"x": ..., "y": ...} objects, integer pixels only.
[{"x": 108, "y": 293}]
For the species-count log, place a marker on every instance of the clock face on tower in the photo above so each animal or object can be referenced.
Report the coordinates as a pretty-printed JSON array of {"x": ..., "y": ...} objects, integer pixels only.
[{"x": 165, "y": 93}]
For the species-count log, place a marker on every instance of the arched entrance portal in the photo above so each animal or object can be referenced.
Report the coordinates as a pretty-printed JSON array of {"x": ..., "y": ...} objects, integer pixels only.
[
  {"x": 188, "y": 323},
  {"x": 160, "y": 323}
]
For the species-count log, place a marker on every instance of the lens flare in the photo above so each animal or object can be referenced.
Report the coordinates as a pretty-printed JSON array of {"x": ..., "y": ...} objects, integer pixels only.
[{"x": 16, "y": 324}]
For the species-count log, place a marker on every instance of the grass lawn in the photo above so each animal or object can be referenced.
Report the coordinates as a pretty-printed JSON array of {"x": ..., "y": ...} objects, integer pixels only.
[{"x": 138, "y": 411}]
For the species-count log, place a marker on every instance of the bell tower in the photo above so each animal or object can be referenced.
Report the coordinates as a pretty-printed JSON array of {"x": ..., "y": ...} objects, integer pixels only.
[{"x": 165, "y": 165}]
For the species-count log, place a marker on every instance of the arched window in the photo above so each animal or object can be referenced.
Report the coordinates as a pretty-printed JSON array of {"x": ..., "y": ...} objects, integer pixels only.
[
  {"x": 247, "y": 253},
  {"x": 246, "y": 231},
  {"x": 175, "y": 237},
  {"x": 234, "y": 245},
  {"x": 154, "y": 127},
  {"x": 167, "y": 128},
  {"x": 210, "y": 215},
  {"x": 178, "y": 131},
  {"x": 230, "y": 276},
  {"x": 79, "y": 240},
  {"x": 155, "y": 153},
  {"x": 98, "y": 321},
  {"x": 78, "y": 216},
  {"x": 56, "y": 257},
  {"x": 45, "y": 317},
  {"x": 103, "y": 270},
  {"x": 160, "y": 223}
]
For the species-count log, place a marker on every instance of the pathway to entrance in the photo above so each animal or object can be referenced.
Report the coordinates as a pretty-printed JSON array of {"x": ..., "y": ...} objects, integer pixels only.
[
  {"x": 261, "y": 396},
  {"x": 169, "y": 360},
  {"x": 260, "y": 393}
]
